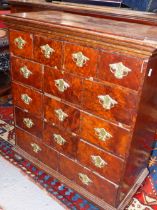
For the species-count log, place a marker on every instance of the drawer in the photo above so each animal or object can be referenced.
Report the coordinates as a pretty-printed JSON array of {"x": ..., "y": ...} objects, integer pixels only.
[
  {"x": 121, "y": 69},
  {"x": 111, "y": 103},
  {"x": 33, "y": 146},
  {"x": 105, "y": 135},
  {"x": 63, "y": 85},
  {"x": 93, "y": 183},
  {"x": 61, "y": 114},
  {"x": 28, "y": 122},
  {"x": 27, "y": 98},
  {"x": 48, "y": 51},
  {"x": 27, "y": 72},
  {"x": 21, "y": 43},
  {"x": 60, "y": 140},
  {"x": 80, "y": 60},
  {"x": 107, "y": 165}
]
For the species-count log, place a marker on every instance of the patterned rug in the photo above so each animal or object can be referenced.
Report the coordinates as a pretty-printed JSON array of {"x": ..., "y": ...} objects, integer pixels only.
[{"x": 144, "y": 199}]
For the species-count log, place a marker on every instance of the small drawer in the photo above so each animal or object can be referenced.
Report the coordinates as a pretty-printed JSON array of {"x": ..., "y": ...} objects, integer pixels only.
[
  {"x": 93, "y": 183},
  {"x": 105, "y": 135},
  {"x": 33, "y": 146},
  {"x": 48, "y": 51},
  {"x": 28, "y": 122},
  {"x": 121, "y": 69},
  {"x": 60, "y": 140},
  {"x": 61, "y": 114},
  {"x": 27, "y": 72},
  {"x": 27, "y": 98},
  {"x": 100, "y": 161},
  {"x": 21, "y": 43},
  {"x": 111, "y": 103},
  {"x": 80, "y": 60},
  {"x": 63, "y": 85}
]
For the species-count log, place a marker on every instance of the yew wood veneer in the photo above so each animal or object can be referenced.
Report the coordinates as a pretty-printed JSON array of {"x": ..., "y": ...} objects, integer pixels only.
[{"x": 84, "y": 93}]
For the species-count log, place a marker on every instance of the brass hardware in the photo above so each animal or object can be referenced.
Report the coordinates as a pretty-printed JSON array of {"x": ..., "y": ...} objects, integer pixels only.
[
  {"x": 60, "y": 114},
  {"x": 119, "y": 70},
  {"x": 35, "y": 147},
  {"x": 61, "y": 85},
  {"x": 103, "y": 135},
  {"x": 85, "y": 179},
  {"x": 107, "y": 102},
  {"x": 98, "y": 161},
  {"x": 26, "y": 99},
  {"x": 59, "y": 139},
  {"x": 28, "y": 122},
  {"x": 79, "y": 59},
  {"x": 25, "y": 72},
  {"x": 47, "y": 50},
  {"x": 19, "y": 42}
]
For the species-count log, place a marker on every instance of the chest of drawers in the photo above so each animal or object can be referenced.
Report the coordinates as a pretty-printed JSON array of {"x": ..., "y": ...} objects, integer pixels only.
[{"x": 84, "y": 94}]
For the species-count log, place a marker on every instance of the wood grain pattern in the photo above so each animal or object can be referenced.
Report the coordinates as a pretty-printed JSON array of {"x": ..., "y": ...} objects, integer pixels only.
[
  {"x": 27, "y": 50},
  {"x": 35, "y": 78},
  {"x": 72, "y": 120},
  {"x": 35, "y": 105},
  {"x": 114, "y": 166}
]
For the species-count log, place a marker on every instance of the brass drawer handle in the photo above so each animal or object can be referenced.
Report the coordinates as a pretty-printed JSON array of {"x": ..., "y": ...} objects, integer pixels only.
[
  {"x": 28, "y": 122},
  {"x": 59, "y": 139},
  {"x": 102, "y": 134},
  {"x": 19, "y": 42},
  {"x": 26, "y": 99},
  {"x": 47, "y": 50},
  {"x": 98, "y": 161},
  {"x": 84, "y": 179},
  {"x": 107, "y": 102},
  {"x": 119, "y": 70},
  {"x": 35, "y": 147},
  {"x": 25, "y": 72},
  {"x": 61, "y": 85},
  {"x": 60, "y": 114},
  {"x": 79, "y": 59}
]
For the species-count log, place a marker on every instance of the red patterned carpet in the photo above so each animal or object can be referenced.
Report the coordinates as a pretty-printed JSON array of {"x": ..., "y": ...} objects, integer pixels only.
[{"x": 144, "y": 199}]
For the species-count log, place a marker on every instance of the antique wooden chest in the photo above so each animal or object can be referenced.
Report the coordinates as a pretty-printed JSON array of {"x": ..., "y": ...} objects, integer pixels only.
[{"x": 84, "y": 93}]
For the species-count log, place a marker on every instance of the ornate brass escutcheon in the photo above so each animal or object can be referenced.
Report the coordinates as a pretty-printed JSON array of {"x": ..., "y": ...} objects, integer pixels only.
[
  {"x": 25, "y": 72},
  {"x": 26, "y": 99},
  {"x": 19, "y": 42},
  {"x": 28, "y": 122},
  {"x": 59, "y": 139},
  {"x": 119, "y": 70},
  {"x": 98, "y": 161},
  {"x": 35, "y": 147},
  {"x": 107, "y": 102},
  {"x": 85, "y": 179},
  {"x": 47, "y": 50},
  {"x": 60, "y": 114},
  {"x": 102, "y": 134},
  {"x": 79, "y": 59},
  {"x": 61, "y": 85}
]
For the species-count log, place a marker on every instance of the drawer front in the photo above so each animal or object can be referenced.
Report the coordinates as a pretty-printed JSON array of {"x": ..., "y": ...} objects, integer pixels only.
[
  {"x": 33, "y": 146},
  {"x": 27, "y": 72},
  {"x": 60, "y": 140},
  {"x": 48, "y": 51},
  {"x": 27, "y": 98},
  {"x": 80, "y": 60},
  {"x": 21, "y": 44},
  {"x": 110, "y": 102},
  {"x": 62, "y": 115},
  {"x": 63, "y": 85},
  {"x": 121, "y": 69},
  {"x": 105, "y": 135},
  {"x": 28, "y": 122},
  {"x": 104, "y": 163},
  {"x": 85, "y": 178}
]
